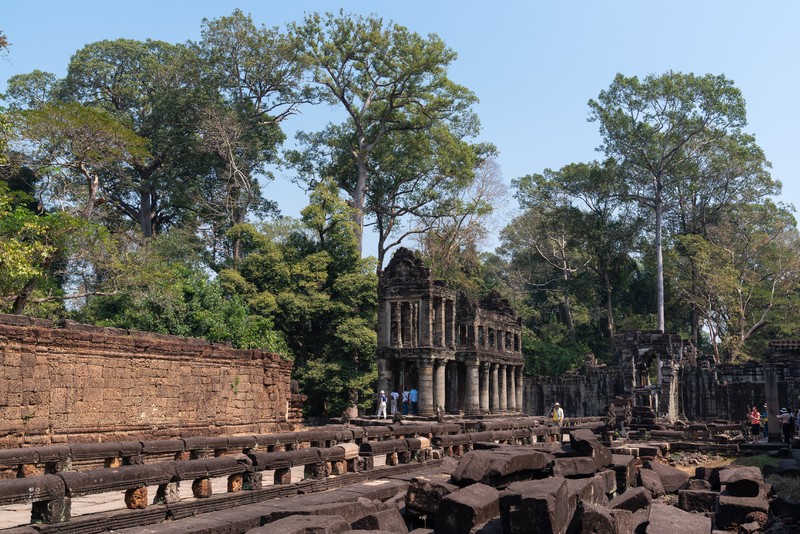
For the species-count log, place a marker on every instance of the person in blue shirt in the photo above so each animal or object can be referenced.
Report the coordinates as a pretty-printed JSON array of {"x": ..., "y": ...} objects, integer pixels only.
[{"x": 414, "y": 397}]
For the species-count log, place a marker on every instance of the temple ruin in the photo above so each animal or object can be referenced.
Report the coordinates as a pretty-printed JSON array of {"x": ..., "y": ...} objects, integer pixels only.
[{"x": 461, "y": 355}]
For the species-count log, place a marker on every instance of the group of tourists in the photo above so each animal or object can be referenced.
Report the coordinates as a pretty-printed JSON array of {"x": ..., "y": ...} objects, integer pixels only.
[
  {"x": 410, "y": 399},
  {"x": 759, "y": 421}
]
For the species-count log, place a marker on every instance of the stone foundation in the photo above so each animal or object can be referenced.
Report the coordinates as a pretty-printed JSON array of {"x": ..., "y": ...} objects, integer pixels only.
[{"x": 79, "y": 383}]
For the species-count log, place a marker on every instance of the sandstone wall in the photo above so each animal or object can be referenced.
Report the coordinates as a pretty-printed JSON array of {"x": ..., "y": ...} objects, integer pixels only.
[{"x": 79, "y": 383}]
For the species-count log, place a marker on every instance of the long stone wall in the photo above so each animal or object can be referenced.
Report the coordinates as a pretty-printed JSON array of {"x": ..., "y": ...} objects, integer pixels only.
[{"x": 79, "y": 383}]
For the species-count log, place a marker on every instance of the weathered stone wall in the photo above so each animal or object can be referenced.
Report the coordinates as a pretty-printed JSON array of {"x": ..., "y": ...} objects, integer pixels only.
[
  {"x": 80, "y": 383},
  {"x": 704, "y": 391}
]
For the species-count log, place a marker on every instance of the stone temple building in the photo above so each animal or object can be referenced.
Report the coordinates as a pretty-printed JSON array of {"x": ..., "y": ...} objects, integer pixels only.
[{"x": 461, "y": 355}]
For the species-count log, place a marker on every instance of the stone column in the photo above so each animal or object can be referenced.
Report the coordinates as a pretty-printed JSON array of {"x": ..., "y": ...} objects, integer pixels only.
[
  {"x": 438, "y": 384},
  {"x": 451, "y": 387},
  {"x": 426, "y": 328},
  {"x": 511, "y": 385},
  {"x": 771, "y": 377},
  {"x": 384, "y": 376},
  {"x": 494, "y": 389},
  {"x": 395, "y": 339},
  {"x": 442, "y": 323},
  {"x": 472, "y": 395},
  {"x": 520, "y": 385},
  {"x": 425, "y": 368},
  {"x": 485, "y": 387},
  {"x": 503, "y": 394}
]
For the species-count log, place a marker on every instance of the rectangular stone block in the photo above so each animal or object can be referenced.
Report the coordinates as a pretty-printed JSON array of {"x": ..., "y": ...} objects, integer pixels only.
[
  {"x": 462, "y": 511},
  {"x": 542, "y": 506},
  {"x": 697, "y": 500},
  {"x": 426, "y": 493}
]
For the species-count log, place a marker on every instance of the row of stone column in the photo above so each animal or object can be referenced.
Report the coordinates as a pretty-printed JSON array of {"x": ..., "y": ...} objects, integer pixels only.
[
  {"x": 489, "y": 387},
  {"x": 493, "y": 387},
  {"x": 414, "y": 324}
]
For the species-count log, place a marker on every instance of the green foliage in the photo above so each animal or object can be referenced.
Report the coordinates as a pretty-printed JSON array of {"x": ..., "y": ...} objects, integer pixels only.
[{"x": 551, "y": 358}]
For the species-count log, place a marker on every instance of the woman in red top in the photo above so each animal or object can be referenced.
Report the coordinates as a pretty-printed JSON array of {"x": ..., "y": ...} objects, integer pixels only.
[{"x": 755, "y": 424}]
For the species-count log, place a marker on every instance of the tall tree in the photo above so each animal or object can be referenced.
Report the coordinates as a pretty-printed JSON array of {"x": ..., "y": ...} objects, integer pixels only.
[
  {"x": 585, "y": 200},
  {"x": 152, "y": 88},
  {"x": 658, "y": 125},
  {"x": 386, "y": 79},
  {"x": 257, "y": 76}
]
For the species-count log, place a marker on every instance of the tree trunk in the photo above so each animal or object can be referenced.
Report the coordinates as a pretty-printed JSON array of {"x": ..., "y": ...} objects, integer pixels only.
[
  {"x": 609, "y": 305},
  {"x": 659, "y": 208},
  {"x": 358, "y": 199},
  {"x": 568, "y": 316},
  {"x": 22, "y": 298},
  {"x": 145, "y": 207}
]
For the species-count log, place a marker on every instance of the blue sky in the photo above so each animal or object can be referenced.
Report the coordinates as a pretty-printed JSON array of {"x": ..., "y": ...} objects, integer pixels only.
[{"x": 534, "y": 65}]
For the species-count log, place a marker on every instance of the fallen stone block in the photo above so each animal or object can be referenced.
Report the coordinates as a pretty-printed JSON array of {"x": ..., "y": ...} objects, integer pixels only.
[
  {"x": 709, "y": 474},
  {"x": 466, "y": 509},
  {"x": 698, "y": 500},
  {"x": 577, "y": 467},
  {"x": 634, "y": 499},
  {"x": 672, "y": 479},
  {"x": 640, "y": 519},
  {"x": 388, "y": 520},
  {"x": 425, "y": 493},
  {"x": 304, "y": 524},
  {"x": 584, "y": 441},
  {"x": 542, "y": 506},
  {"x": 591, "y": 490},
  {"x": 596, "y": 520},
  {"x": 650, "y": 480},
  {"x": 741, "y": 481},
  {"x": 498, "y": 468},
  {"x": 625, "y": 468},
  {"x": 623, "y": 520},
  {"x": 733, "y": 510},
  {"x": 696, "y": 484},
  {"x": 666, "y": 519},
  {"x": 609, "y": 478}
]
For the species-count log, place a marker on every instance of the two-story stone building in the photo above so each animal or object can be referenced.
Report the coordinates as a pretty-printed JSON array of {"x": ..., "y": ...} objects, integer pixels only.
[{"x": 463, "y": 356}]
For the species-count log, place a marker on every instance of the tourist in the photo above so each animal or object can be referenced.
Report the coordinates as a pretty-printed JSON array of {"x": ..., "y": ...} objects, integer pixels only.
[
  {"x": 382, "y": 404},
  {"x": 755, "y": 424},
  {"x": 413, "y": 396},
  {"x": 406, "y": 401},
  {"x": 783, "y": 418},
  {"x": 557, "y": 414},
  {"x": 394, "y": 395},
  {"x": 764, "y": 421}
]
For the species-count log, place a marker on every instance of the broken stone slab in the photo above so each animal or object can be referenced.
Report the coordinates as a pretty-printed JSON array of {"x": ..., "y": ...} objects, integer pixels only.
[
  {"x": 672, "y": 479},
  {"x": 304, "y": 524},
  {"x": 650, "y": 480},
  {"x": 577, "y": 467},
  {"x": 542, "y": 506},
  {"x": 741, "y": 481},
  {"x": 625, "y": 468},
  {"x": 640, "y": 519},
  {"x": 425, "y": 493},
  {"x": 697, "y": 500},
  {"x": 388, "y": 520},
  {"x": 623, "y": 520},
  {"x": 610, "y": 480},
  {"x": 733, "y": 510},
  {"x": 633, "y": 500},
  {"x": 466, "y": 509},
  {"x": 666, "y": 519},
  {"x": 591, "y": 490},
  {"x": 696, "y": 484},
  {"x": 500, "y": 467},
  {"x": 596, "y": 519},
  {"x": 585, "y": 442},
  {"x": 709, "y": 474}
]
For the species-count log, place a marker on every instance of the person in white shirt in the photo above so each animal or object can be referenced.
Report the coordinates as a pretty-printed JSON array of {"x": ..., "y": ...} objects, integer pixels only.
[
  {"x": 382, "y": 404},
  {"x": 394, "y": 395}
]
